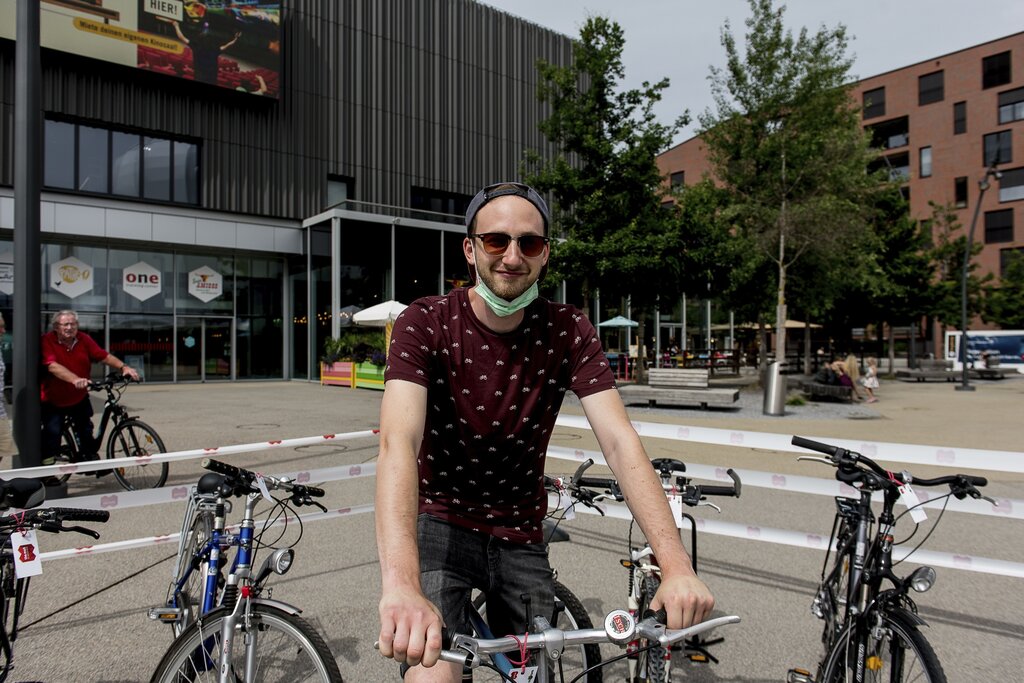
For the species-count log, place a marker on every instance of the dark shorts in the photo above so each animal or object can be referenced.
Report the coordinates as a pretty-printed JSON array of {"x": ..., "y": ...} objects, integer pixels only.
[{"x": 454, "y": 561}]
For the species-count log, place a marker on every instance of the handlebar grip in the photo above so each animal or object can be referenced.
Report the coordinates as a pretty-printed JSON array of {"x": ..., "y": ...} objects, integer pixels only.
[
  {"x": 221, "y": 467},
  {"x": 718, "y": 490},
  {"x": 80, "y": 515},
  {"x": 597, "y": 483},
  {"x": 314, "y": 491},
  {"x": 975, "y": 481},
  {"x": 814, "y": 445}
]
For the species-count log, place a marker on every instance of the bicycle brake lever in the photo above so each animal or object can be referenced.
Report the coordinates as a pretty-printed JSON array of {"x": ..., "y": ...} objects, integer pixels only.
[
  {"x": 81, "y": 530},
  {"x": 707, "y": 503}
]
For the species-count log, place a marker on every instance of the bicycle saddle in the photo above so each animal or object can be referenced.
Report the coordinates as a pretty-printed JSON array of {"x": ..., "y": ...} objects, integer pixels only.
[
  {"x": 21, "y": 493},
  {"x": 211, "y": 482}
]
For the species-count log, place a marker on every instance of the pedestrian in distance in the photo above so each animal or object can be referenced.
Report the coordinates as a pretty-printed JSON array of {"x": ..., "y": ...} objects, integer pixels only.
[
  {"x": 870, "y": 379},
  {"x": 67, "y": 355},
  {"x": 473, "y": 385}
]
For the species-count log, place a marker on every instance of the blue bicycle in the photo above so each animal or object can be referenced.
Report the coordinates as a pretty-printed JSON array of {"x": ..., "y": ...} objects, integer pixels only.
[{"x": 226, "y": 630}]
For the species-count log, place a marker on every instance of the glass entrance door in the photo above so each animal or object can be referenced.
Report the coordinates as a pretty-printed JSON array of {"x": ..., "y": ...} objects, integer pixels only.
[{"x": 204, "y": 349}]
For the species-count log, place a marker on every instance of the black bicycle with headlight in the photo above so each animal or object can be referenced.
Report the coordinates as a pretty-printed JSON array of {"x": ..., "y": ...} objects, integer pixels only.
[
  {"x": 871, "y": 630},
  {"x": 227, "y": 626}
]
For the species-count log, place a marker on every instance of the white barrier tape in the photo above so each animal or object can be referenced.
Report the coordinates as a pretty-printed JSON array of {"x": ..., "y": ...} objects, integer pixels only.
[
  {"x": 219, "y": 451},
  {"x": 799, "y": 539},
  {"x": 168, "y": 538},
  {"x": 1008, "y": 507},
  {"x": 171, "y": 494}
]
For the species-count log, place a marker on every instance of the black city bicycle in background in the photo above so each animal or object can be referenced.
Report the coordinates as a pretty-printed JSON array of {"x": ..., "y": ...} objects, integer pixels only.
[
  {"x": 872, "y": 633},
  {"x": 27, "y": 493},
  {"x": 130, "y": 437}
]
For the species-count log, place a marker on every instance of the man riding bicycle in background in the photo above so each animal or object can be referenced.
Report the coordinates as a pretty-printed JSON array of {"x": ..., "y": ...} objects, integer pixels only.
[
  {"x": 474, "y": 382},
  {"x": 67, "y": 355}
]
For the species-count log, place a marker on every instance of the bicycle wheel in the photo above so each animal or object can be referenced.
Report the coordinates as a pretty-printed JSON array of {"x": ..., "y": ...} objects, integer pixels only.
[
  {"x": 133, "y": 439},
  {"x": 67, "y": 453},
  {"x": 286, "y": 648},
  {"x": 654, "y": 661},
  {"x": 190, "y": 598},
  {"x": 574, "y": 660},
  {"x": 902, "y": 655}
]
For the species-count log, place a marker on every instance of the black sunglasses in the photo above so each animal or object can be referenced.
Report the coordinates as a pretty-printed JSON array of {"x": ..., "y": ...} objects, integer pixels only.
[{"x": 496, "y": 243}]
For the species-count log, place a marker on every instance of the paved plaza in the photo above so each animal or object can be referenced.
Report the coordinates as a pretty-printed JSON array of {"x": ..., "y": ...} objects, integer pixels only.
[{"x": 85, "y": 619}]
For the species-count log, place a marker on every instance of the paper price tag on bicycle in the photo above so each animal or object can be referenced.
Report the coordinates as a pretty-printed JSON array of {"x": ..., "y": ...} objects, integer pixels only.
[
  {"x": 527, "y": 674},
  {"x": 565, "y": 503},
  {"x": 26, "y": 554},
  {"x": 262, "y": 485},
  {"x": 909, "y": 498},
  {"x": 675, "y": 503}
]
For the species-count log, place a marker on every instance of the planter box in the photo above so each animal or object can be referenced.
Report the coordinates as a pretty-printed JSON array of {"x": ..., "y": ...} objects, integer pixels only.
[
  {"x": 339, "y": 374},
  {"x": 369, "y": 376}
]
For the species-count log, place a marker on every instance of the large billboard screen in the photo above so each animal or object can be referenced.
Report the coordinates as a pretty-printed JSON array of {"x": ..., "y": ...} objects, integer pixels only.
[{"x": 231, "y": 44}]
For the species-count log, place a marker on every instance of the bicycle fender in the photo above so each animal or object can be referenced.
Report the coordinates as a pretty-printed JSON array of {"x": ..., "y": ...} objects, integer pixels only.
[
  {"x": 906, "y": 616},
  {"x": 283, "y": 606}
]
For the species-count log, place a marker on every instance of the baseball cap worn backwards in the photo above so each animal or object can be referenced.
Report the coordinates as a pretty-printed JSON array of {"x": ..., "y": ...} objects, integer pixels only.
[{"x": 504, "y": 190}]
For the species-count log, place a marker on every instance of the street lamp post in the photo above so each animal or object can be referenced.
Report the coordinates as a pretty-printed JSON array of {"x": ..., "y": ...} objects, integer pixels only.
[{"x": 983, "y": 185}]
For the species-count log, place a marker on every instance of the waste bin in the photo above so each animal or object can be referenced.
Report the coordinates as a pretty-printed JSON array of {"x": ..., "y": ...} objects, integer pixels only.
[{"x": 774, "y": 390}]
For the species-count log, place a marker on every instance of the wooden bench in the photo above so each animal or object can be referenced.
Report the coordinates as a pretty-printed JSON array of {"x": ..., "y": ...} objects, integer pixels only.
[
  {"x": 815, "y": 390},
  {"x": 678, "y": 386},
  {"x": 929, "y": 368}
]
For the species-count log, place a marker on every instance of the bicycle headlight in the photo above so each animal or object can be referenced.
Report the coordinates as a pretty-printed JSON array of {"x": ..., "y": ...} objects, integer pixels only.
[
  {"x": 282, "y": 560},
  {"x": 922, "y": 579}
]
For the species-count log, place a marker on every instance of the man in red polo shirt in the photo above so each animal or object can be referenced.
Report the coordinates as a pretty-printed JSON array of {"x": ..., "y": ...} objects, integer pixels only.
[{"x": 68, "y": 355}]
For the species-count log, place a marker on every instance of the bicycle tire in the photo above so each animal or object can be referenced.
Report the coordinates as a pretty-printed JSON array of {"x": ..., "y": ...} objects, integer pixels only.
[
  {"x": 289, "y": 649},
  {"x": 903, "y": 655},
  {"x": 135, "y": 438},
  {"x": 67, "y": 453},
  {"x": 190, "y": 598},
  {"x": 573, "y": 616},
  {"x": 655, "y": 669}
]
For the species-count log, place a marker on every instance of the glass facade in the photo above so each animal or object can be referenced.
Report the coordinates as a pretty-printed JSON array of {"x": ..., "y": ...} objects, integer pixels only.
[{"x": 175, "y": 317}]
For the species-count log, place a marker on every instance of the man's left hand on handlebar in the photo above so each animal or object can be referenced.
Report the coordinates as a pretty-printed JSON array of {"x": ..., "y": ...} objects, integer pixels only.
[{"x": 686, "y": 600}]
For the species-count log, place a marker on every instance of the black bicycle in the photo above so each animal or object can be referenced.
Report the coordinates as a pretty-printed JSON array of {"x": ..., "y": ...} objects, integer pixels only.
[
  {"x": 871, "y": 633},
  {"x": 130, "y": 437},
  {"x": 27, "y": 493}
]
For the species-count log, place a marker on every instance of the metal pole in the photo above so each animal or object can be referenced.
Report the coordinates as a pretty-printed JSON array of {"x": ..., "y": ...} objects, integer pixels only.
[
  {"x": 28, "y": 137},
  {"x": 983, "y": 186}
]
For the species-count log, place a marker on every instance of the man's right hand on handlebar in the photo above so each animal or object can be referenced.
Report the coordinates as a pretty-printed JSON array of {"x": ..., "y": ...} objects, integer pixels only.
[{"x": 410, "y": 630}]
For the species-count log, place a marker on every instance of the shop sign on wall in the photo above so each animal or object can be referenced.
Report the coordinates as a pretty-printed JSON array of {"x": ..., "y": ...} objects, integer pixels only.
[
  {"x": 205, "y": 284},
  {"x": 6, "y": 272},
  {"x": 71, "y": 277},
  {"x": 141, "y": 281}
]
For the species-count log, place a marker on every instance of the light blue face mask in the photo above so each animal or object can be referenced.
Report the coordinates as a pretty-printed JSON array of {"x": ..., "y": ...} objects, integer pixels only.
[{"x": 500, "y": 306}]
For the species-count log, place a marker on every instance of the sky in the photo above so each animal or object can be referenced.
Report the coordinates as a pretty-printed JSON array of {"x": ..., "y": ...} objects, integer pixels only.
[{"x": 681, "y": 39}]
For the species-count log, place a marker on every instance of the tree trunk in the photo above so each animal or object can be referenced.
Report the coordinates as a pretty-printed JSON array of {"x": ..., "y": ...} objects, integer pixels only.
[
  {"x": 640, "y": 372},
  {"x": 807, "y": 348},
  {"x": 762, "y": 345},
  {"x": 780, "y": 312},
  {"x": 892, "y": 347}
]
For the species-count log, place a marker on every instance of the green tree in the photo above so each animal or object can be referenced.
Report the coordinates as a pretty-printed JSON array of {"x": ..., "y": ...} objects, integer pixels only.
[
  {"x": 786, "y": 142},
  {"x": 948, "y": 260},
  {"x": 1004, "y": 305},
  {"x": 605, "y": 180}
]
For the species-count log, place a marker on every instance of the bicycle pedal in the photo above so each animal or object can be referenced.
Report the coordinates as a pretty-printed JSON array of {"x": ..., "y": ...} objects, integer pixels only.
[
  {"x": 799, "y": 676},
  {"x": 166, "y": 614},
  {"x": 698, "y": 657}
]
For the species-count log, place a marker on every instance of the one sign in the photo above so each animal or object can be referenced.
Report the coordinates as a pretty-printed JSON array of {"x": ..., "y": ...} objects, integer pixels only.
[
  {"x": 141, "y": 281},
  {"x": 233, "y": 44},
  {"x": 71, "y": 277},
  {"x": 205, "y": 284},
  {"x": 6, "y": 272}
]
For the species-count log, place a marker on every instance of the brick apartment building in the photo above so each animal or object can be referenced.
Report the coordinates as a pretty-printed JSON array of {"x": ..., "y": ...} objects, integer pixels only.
[{"x": 940, "y": 123}]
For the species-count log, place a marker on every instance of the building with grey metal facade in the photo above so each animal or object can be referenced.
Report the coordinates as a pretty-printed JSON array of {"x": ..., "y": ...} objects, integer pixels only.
[{"x": 387, "y": 115}]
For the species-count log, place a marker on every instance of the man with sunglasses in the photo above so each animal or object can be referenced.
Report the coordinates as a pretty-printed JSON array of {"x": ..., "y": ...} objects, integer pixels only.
[{"x": 474, "y": 383}]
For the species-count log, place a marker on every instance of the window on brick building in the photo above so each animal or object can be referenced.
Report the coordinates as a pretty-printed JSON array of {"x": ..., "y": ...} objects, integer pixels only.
[
  {"x": 999, "y": 226},
  {"x": 1004, "y": 258},
  {"x": 1011, "y": 185},
  {"x": 1011, "y": 105},
  {"x": 960, "y": 192},
  {"x": 924, "y": 158},
  {"x": 995, "y": 70},
  {"x": 874, "y": 103},
  {"x": 959, "y": 118},
  {"x": 998, "y": 148},
  {"x": 677, "y": 179},
  {"x": 931, "y": 88}
]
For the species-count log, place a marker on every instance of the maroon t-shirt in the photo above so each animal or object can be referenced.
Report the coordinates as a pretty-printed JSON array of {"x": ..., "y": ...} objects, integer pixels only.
[
  {"x": 492, "y": 400},
  {"x": 78, "y": 360}
]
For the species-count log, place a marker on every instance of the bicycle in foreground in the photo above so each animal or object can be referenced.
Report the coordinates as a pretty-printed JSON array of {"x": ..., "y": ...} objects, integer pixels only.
[
  {"x": 19, "y": 552},
  {"x": 130, "y": 437},
  {"x": 228, "y": 628},
  {"x": 872, "y": 633},
  {"x": 651, "y": 661},
  {"x": 620, "y": 628}
]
